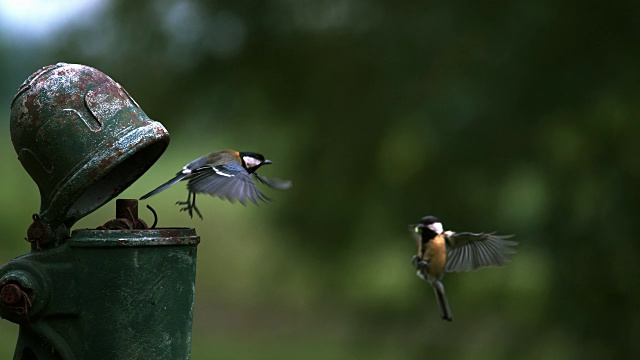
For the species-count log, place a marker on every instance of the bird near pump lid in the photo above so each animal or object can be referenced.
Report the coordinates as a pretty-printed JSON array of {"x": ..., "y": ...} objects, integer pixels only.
[
  {"x": 226, "y": 174},
  {"x": 83, "y": 140}
]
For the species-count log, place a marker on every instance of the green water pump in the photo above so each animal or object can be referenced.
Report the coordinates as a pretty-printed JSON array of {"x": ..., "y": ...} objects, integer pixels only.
[{"x": 123, "y": 290}]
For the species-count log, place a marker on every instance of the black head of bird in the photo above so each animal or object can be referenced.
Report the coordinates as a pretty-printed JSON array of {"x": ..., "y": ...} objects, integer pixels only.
[
  {"x": 227, "y": 174},
  {"x": 429, "y": 226},
  {"x": 442, "y": 251},
  {"x": 252, "y": 161}
]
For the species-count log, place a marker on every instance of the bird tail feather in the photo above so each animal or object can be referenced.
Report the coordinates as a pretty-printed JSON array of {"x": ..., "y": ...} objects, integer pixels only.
[
  {"x": 445, "y": 310},
  {"x": 164, "y": 186}
]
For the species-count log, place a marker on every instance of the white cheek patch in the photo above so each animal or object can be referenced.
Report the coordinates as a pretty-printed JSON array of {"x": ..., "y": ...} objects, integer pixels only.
[
  {"x": 436, "y": 228},
  {"x": 251, "y": 162}
]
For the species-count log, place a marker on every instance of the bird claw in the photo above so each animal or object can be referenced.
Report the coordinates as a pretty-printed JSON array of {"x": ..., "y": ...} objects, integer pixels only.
[
  {"x": 189, "y": 208},
  {"x": 414, "y": 260},
  {"x": 418, "y": 263}
]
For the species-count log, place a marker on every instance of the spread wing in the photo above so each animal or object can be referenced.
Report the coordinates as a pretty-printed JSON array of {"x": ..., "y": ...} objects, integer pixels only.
[
  {"x": 416, "y": 235},
  {"x": 468, "y": 251},
  {"x": 274, "y": 183},
  {"x": 231, "y": 182}
]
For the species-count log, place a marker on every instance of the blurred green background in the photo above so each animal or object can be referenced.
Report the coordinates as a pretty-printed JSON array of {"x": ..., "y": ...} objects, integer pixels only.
[{"x": 515, "y": 116}]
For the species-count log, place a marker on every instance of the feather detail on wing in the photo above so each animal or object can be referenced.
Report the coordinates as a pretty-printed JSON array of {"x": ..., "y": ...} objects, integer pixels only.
[
  {"x": 230, "y": 182},
  {"x": 470, "y": 251}
]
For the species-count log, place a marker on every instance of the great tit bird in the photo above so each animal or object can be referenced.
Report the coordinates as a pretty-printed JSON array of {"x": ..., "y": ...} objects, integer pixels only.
[
  {"x": 442, "y": 251},
  {"x": 226, "y": 174}
]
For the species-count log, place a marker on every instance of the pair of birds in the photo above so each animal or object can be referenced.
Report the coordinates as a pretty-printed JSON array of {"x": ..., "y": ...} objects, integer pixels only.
[{"x": 228, "y": 175}]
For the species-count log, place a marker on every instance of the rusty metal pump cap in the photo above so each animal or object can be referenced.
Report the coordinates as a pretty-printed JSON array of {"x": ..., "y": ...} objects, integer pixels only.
[{"x": 82, "y": 139}]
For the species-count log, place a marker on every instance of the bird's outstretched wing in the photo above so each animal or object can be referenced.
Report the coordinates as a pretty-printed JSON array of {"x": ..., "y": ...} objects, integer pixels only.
[
  {"x": 468, "y": 251},
  {"x": 231, "y": 182},
  {"x": 274, "y": 183},
  {"x": 415, "y": 234}
]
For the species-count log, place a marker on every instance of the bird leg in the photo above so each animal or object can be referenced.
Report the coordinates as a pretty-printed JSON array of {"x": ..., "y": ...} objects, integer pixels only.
[
  {"x": 186, "y": 208},
  {"x": 190, "y": 205},
  {"x": 193, "y": 206}
]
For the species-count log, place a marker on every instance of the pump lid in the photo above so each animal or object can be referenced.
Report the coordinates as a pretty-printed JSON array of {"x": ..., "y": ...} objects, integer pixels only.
[{"x": 82, "y": 139}]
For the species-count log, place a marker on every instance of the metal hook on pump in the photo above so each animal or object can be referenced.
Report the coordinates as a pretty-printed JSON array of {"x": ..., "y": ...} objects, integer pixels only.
[
  {"x": 127, "y": 217},
  {"x": 155, "y": 217}
]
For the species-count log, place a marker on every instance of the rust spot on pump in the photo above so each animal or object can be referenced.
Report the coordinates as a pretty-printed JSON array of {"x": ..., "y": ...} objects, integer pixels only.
[
  {"x": 38, "y": 232},
  {"x": 15, "y": 298},
  {"x": 127, "y": 217}
]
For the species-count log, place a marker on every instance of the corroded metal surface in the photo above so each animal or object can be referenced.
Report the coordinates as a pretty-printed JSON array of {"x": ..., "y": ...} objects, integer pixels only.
[
  {"x": 105, "y": 294},
  {"x": 150, "y": 237},
  {"x": 11, "y": 294},
  {"x": 16, "y": 293},
  {"x": 83, "y": 140},
  {"x": 15, "y": 299},
  {"x": 126, "y": 217},
  {"x": 122, "y": 291}
]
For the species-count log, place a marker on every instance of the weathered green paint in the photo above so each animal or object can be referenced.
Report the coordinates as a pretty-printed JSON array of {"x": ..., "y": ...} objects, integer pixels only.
[
  {"x": 83, "y": 140},
  {"x": 108, "y": 294},
  {"x": 94, "y": 293}
]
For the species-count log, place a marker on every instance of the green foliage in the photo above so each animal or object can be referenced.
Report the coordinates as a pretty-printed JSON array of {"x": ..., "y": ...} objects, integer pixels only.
[{"x": 519, "y": 117}]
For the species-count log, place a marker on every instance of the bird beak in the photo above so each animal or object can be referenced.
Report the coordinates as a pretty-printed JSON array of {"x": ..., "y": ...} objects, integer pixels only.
[
  {"x": 415, "y": 227},
  {"x": 266, "y": 162}
]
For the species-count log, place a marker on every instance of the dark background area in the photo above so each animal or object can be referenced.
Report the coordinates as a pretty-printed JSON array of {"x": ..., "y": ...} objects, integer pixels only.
[{"x": 518, "y": 117}]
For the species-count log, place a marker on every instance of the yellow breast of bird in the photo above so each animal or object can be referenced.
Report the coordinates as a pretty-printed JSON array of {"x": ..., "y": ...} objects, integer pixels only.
[{"x": 436, "y": 255}]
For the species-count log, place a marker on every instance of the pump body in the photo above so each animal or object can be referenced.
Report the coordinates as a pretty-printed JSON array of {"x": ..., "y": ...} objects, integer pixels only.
[{"x": 119, "y": 291}]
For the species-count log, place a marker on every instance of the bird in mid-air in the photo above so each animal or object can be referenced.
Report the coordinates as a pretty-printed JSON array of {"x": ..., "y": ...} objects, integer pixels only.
[
  {"x": 226, "y": 174},
  {"x": 442, "y": 251}
]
